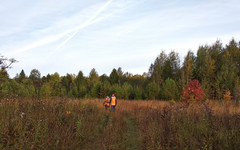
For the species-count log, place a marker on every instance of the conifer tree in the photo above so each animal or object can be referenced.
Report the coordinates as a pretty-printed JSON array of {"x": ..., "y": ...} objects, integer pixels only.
[
  {"x": 114, "y": 77},
  {"x": 156, "y": 69},
  {"x": 188, "y": 67}
]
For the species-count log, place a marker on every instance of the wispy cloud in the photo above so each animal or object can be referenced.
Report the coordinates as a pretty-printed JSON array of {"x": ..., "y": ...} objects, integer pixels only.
[
  {"x": 89, "y": 22},
  {"x": 75, "y": 33},
  {"x": 72, "y": 32}
]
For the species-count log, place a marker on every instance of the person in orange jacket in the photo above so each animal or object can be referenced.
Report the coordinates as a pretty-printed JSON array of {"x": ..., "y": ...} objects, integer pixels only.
[
  {"x": 106, "y": 103},
  {"x": 113, "y": 102}
]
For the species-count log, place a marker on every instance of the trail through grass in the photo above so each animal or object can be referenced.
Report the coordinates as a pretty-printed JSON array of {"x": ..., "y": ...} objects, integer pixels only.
[{"x": 131, "y": 138}]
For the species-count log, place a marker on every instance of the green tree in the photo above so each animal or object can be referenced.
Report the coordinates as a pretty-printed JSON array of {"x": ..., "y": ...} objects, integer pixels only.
[
  {"x": 35, "y": 76},
  {"x": 92, "y": 81},
  {"x": 236, "y": 94},
  {"x": 45, "y": 91},
  {"x": 234, "y": 49},
  {"x": 170, "y": 90},
  {"x": 74, "y": 92},
  {"x": 116, "y": 89},
  {"x": 3, "y": 75},
  {"x": 114, "y": 77},
  {"x": 156, "y": 69},
  {"x": 227, "y": 75},
  {"x": 13, "y": 89},
  {"x": 55, "y": 84},
  {"x": 152, "y": 91},
  {"x": 96, "y": 90},
  {"x": 126, "y": 91},
  {"x": 120, "y": 75},
  {"x": 81, "y": 85},
  {"x": 215, "y": 51},
  {"x": 171, "y": 67},
  {"x": 201, "y": 62},
  {"x": 138, "y": 93},
  {"x": 6, "y": 89},
  {"x": 188, "y": 67},
  {"x": 30, "y": 88},
  {"x": 67, "y": 82},
  {"x": 209, "y": 76},
  {"x": 105, "y": 89},
  {"x": 22, "y": 77},
  {"x": 104, "y": 78},
  {"x": 93, "y": 76}
]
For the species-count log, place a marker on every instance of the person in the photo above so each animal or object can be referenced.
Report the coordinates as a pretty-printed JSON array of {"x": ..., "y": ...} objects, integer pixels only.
[
  {"x": 113, "y": 102},
  {"x": 106, "y": 103}
]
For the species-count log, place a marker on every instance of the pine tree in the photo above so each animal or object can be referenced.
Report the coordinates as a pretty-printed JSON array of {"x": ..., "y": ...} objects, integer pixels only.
[
  {"x": 156, "y": 69},
  {"x": 171, "y": 67},
  {"x": 81, "y": 85},
  {"x": 201, "y": 62},
  {"x": 188, "y": 67},
  {"x": 67, "y": 82},
  {"x": 114, "y": 77},
  {"x": 22, "y": 77},
  {"x": 209, "y": 77}
]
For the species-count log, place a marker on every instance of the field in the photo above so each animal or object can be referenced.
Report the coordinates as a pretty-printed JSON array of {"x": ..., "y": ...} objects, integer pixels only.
[{"x": 85, "y": 124}]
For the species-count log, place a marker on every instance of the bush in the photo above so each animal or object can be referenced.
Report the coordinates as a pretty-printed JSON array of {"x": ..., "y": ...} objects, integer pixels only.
[
  {"x": 151, "y": 91},
  {"x": 170, "y": 90},
  {"x": 193, "y": 92}
]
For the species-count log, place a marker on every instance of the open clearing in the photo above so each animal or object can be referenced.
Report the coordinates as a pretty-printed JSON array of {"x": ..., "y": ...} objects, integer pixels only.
[{"x": 85, "y": 124}]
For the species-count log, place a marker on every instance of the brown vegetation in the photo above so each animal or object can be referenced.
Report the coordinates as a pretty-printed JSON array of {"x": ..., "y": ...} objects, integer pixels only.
[{"x": 85, "y": 124}]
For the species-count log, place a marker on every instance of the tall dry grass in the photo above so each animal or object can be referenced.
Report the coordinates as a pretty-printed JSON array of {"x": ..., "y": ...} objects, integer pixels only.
[{"x": 85, "y": 124}]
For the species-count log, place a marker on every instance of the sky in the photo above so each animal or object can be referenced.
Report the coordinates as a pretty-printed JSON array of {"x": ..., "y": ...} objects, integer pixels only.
[{"x": 68, "y": 36}]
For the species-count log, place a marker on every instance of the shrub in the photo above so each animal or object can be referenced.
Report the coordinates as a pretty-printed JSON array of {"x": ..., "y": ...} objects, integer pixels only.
[
  {"x": 170, "y": 90},
  {"x": 193, "y": 91},
  {"x": 152, "y": 91},
  {"x": 227, "y": 97}
]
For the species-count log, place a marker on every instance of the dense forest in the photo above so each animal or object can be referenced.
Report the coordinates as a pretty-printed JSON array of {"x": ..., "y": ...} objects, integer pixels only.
[{"x": 215, "y": 67}]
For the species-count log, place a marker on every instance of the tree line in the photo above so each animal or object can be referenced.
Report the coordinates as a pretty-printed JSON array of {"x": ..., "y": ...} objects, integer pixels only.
[{"x": 216, "y": 67}]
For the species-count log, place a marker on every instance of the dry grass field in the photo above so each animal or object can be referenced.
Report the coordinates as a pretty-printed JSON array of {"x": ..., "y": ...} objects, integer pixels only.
[{"x": 85, "y": 124}]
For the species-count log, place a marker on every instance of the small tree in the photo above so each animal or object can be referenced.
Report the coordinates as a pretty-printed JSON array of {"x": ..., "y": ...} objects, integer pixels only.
[
  {"x": 126, "y": 90},
  {"x": 116, "y": 89},
  {"x": 227, "y": 97},
  {"x": 170, "y": 90},
  {"x": 152, "y": 91},
  {"x": 193, "y": 91},
  {"x": 45, "y": 91},
  {"x": 96, "y": 90},
  {"x": 138, "y": 93},
  {"x": 22, "y": 77},
  {"x": 114, "y": 77},
  {"x": 35, "y": 76},
  {"x": 105, "y": 89}
]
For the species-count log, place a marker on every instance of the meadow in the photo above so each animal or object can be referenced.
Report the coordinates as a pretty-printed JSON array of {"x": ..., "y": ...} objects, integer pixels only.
[{"x": 85, "y": 124}]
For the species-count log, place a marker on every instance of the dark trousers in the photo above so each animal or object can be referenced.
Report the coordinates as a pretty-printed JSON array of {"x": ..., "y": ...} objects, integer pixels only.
[
  {"x": 113, "y": 108},
  {"x": 106, "y": 107}
]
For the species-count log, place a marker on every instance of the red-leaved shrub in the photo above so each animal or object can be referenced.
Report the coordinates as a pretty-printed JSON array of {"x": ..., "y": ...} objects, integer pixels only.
[{"x": 193, "y": 91}]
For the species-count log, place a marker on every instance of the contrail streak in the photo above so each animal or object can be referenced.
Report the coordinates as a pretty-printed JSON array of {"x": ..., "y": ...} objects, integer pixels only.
[
  {"x": 63, "y": 34},
  {"x": 85, "y": 25},
  {"x": 64, "y": 42},
  {"x": 61, "y": 45}
]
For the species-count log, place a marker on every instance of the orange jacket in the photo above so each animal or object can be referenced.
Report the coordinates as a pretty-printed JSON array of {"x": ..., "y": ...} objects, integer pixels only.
[
  {"x": 107, "y": 102},
  {"x": 113, "y": 101}
]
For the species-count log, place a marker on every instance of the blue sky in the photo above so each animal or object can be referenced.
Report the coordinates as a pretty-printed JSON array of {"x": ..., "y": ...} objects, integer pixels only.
[{"x": 67, "y": 36}]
